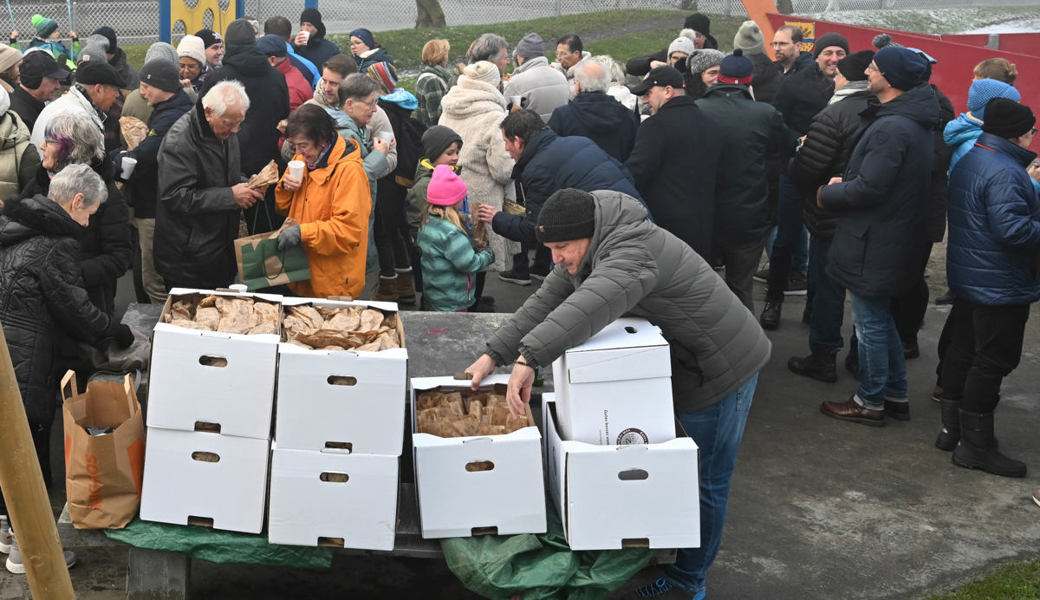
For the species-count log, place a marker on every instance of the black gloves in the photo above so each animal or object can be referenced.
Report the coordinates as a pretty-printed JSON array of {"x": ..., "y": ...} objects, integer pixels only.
[
  {"x": 122, "y": 334},
  {"x": 289, "y": 237}
]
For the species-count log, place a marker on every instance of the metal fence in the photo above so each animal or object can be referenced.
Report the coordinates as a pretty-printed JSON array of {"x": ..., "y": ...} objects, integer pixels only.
[{"x": 137, "y": 21}]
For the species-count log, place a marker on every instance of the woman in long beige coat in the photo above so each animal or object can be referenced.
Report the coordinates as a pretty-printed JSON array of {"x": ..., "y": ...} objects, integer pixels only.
[{"x": 474, "y": 108}]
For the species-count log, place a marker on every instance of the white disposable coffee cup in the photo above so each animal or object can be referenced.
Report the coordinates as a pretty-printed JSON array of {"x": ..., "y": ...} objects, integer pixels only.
[
  {"x": 296, "y": 168},
  {"x": 129, "y": 163},
  {"x": 387, "y": 136},
  {"x": 515, "y": 100},
  {"x": 306, "y": 36}
]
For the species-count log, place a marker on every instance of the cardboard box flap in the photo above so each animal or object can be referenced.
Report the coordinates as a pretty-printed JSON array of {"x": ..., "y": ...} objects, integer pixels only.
[
  {"x": 619, "y": 364},
  {"x": 623, "y": 333}
]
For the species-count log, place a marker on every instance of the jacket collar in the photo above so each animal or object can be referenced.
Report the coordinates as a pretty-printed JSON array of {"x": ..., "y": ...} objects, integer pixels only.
[
  {"x": 729, "y": 89},
  {"x": 998, "y": 144}
]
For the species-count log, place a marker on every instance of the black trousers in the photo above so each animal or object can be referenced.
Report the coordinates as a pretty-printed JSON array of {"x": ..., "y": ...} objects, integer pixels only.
[
  {"x": 908, "y": 308},
  {"x": 985, "y": 346}
]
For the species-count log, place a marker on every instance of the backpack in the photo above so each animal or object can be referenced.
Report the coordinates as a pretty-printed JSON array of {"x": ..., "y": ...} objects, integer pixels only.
[{"x": 409, "y": 150}]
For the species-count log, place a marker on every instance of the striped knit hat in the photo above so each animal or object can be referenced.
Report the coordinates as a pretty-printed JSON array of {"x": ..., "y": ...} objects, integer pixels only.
[{"x": 384, "y": 74}]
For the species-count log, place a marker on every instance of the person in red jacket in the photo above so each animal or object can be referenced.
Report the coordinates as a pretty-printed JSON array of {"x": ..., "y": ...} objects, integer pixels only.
[{"x": 274, "y": 48}]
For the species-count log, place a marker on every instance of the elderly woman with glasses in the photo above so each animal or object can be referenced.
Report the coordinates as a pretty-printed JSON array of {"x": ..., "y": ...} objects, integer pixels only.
[
  {"x": 330, "y": 203},
  {"x": 106, "y": 247}
]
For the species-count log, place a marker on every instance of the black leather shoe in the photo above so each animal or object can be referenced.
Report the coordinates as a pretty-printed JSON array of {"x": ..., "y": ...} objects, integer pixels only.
[
  {"x": 770, "y": 318},
  {"x": 815, "y": 366}
]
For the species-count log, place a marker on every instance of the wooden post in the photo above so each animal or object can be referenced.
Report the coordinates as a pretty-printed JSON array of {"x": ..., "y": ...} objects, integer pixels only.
[{"x": 26, "y": 495}]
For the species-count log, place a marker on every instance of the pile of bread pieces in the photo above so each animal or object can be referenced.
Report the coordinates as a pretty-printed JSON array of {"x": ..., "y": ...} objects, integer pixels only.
[
  {"x": 465, "y": 413},
  {"x": 224, "y": 313}
]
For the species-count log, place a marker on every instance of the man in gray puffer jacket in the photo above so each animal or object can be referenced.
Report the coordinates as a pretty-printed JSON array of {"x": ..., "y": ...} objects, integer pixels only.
[{"x": 610, "y": 260}]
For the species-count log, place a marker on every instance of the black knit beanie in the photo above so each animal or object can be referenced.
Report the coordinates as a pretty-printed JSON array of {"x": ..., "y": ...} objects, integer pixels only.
[
  {"x": 1007, "y": 119},
  {"x": 313, "y": 16},
  {"x": 436, "y": 140},
  {"x": 830, "y": 39},
  {"x": 698, "y": 23},
  {"x": 568, "y": 214},
  {"x": 854, "y": 66},
  {"x": 162, "y": 74}
]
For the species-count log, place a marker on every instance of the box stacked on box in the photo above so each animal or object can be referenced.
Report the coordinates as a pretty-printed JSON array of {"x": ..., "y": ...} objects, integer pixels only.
[
  {"x": 339, "y": 424},
  {"x": 209, "y": 409},
  {"x": 621, "y": 472},
  {"x": 478, "y": 469}
]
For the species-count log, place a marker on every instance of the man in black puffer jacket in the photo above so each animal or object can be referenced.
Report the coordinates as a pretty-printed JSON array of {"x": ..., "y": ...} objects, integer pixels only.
[
  {"x": 878, "y": 245},
  {"x": 42, "y": 298},
  {"x": 268, "y": 104},
  {"x": 823, "y": 155},
  {"x": 546, "y": 163},
  {"x": 595, "y": 115}
]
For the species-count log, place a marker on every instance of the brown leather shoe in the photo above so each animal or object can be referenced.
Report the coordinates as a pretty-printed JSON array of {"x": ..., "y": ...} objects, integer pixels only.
[{"x": 850, "y": 410}]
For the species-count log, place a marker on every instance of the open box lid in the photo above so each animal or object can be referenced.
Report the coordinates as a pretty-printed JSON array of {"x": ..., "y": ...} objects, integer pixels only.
[{"x": 626, "y": 349}]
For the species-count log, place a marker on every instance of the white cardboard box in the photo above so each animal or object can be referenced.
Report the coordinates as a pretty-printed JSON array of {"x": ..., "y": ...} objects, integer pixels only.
[
  {"x": 209, "y": 377},
  {"x": 184, "y": 485},
  {"x": 329, "y": 499},
  {"x": 610, "y": 497},
  {"x": 342, "y": 399},
  {"x": 616, "y": 388},
  {"x": 455, "y": 502}
]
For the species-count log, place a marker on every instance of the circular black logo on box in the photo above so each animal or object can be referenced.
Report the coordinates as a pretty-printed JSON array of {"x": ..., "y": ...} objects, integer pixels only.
[{"x": 632, "y": 436}]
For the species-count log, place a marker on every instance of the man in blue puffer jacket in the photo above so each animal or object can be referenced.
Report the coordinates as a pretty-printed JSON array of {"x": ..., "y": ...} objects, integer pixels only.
[{"x": 992, "y": 264}]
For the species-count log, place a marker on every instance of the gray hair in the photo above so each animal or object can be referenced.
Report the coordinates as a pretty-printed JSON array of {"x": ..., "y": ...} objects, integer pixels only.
[
  {"x": 78, "y": 179},
  {"x": 78, "y": 139},
  {"x": 488, "y": 47},
  {"x": 592, "y": 76},
  {"x": 357, "y": 86},
  {"x": 224, "y": 95},
  {"x": 617, "y": 72}
]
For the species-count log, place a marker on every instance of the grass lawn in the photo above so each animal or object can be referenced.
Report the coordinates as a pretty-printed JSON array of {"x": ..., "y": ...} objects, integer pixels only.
[{"x": 1018, "y": 581}]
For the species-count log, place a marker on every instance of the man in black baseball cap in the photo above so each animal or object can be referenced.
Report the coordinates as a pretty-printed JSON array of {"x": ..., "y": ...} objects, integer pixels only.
[
  {"x": 675, "y": 142},
  {"x": 96, "y": 89},
  {"x": 41, "y": 79}
]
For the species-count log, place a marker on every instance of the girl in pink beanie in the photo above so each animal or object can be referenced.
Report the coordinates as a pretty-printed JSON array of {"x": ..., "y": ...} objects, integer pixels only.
[{"x": 448, "y": 257}]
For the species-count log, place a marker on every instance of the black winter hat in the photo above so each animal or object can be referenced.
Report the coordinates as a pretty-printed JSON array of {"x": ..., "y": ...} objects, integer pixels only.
[
  {"x": 240, "y": 33},
  {"x": 902, "y": 68},
  {"x": 209, "y": 37},
  {"x": 1007, "y": 119},
  {"x": 313, "y": 16},
  {"x": 162, "y": 74},
  {"x": 436, "y": 140},
  {"x": 93, "y": 72},
  {"x": 37, "y": 65},
  {"x": 698, "y": 23},
  {"x": 830, "y": 39},
  {"x": 736, "y": 68},
  {"x": 854, "y": 66},
  {"x": 568, "y": 214},
  {"x": 110, "y": 35}
]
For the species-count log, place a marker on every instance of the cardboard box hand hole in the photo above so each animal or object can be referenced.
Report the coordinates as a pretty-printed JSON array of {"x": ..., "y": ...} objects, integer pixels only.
[
  {"x": 339, "y": 446},
  {"x": 213, "y": 361},
  {"x": 633, "y": 475},
  {"x": 341, "y": 380},
  {"x": 331, "y": 542},
  {"x": 334, "y": 477},
  {"x": 207, "y": 427},
  {"x": 480, "y": 465},
  {"x": 211, "y": 457}
]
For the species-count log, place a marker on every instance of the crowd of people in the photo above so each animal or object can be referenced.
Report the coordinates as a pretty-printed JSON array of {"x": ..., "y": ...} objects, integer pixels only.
[{"x": 651, "y": 188}]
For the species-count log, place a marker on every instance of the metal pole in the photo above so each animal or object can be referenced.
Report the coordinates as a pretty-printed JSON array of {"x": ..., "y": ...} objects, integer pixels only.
[{"x": 26, "y": 495}]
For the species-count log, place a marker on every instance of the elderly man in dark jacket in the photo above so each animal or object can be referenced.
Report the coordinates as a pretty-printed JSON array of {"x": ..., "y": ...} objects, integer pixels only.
[
  {"x": 754, "y": 130},
  {"x": 823, "y": 155},
  {"x": 595, "y": 115},
  {"x": 991, "y": 264},
  {"x": 202, "y": 192},
  {"x": 882, "y": 199},
  {"x": 42, "y": 296},
  {"x": 269, "y": 104},
  {"x": 675, "y": 160},
  {"x": 546, "y": 163},
  {"x": 612, "y": 261}
]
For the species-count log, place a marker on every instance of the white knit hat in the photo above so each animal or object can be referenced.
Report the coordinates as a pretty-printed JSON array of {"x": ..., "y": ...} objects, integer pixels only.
[
  {"x": 483, "y": 71},
  {"x": 193, "y": 47},
  {"x": 681, "y": 44}
]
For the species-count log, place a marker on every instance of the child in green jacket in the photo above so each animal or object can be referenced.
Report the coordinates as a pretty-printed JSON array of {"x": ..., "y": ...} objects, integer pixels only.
[{"x": 448, "y": 258}]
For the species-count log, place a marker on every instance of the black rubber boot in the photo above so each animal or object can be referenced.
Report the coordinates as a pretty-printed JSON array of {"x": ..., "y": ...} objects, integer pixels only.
[
  {"x": 950, "y": 433},
  {"x": 817, "y": 366},
  {"x": 978, "y": 448}
]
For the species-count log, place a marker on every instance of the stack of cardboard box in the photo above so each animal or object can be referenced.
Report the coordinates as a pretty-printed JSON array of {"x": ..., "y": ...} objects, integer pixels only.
[
  {"x": 621, "y": 470},
  {"x": 339, "y": 430}
]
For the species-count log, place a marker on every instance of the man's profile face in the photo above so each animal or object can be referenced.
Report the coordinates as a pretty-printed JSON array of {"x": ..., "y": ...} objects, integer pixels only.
[
  {"x": 783, "y": 48},
  {"x": 569, "y": 253},
  {"x": 226, "y": 124},
  {"x": 656, "y": 97},
  {"x": 566, "y": 57},
  {"x": 876, "y": 82},
  {"x": 515, "y": 146}
]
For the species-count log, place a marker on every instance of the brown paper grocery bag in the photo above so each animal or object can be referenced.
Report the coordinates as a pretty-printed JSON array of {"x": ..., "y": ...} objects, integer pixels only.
[{"x": 102, "y": 472}]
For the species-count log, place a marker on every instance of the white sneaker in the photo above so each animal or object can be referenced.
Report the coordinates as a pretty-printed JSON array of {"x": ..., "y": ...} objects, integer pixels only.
[
  {"x": 5, "y": 535},
  {"x": 14, "y": 559},
  {"x": 1036, "y": 496}
]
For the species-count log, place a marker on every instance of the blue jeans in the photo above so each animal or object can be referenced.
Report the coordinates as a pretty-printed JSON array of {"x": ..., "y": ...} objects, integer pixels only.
[
  {"x": 828, "y": 301},
  {"x": 718, "y": 430},
  {"x": 882, "y": 367}
]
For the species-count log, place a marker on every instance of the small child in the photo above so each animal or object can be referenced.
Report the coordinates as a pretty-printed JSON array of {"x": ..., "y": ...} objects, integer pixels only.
[
  {"x": 47, "y": 38},
  {"x": 448, "y": 257},
  {"x": 441, "y": 146}
]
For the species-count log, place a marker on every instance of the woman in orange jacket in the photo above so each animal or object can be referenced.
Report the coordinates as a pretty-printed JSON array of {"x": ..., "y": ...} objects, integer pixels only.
[{"x": 330, "y": 202}]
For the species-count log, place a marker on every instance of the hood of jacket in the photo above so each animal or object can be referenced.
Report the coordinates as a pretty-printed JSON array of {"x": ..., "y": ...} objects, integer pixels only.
[
  {"x": 962, "y": 129},
  {"x": 597, "y": 111},
  {"x": 472, "y": 98},
  {"x": 24, "y": 218},
  {"x": 402, "y": 98},
  {"x": 918, "y": 104},
  {"x": 343, "y": 151},
  {"x": 12, "y": 131},
  {"x": 247, "y": 60},
  {"x": 345, "y": 122},
  {"x": 850, "y": 89},
  {"x": 729, "y": 89},
  {"x": 532, "y": 63}
]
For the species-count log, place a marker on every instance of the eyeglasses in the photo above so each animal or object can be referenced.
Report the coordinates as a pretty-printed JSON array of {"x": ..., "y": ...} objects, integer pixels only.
[
  {"x": 782, "y": 44},
  {"x": 1032, "y": 131}
]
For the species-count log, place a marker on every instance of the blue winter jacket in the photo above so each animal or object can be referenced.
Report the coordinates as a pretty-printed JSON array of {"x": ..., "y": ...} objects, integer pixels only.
[
  {"x": 550, "y": 163},
  {"x": 960, "y": 134},
  {"x": 994, "y": 220}
]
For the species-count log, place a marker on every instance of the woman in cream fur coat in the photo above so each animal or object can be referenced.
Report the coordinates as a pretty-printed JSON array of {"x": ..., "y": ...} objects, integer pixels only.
[{"x": 474, "y": 108}]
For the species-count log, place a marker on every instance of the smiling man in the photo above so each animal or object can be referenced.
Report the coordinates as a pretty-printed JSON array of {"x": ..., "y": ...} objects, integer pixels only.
[
  {"x": 612, "y": 261},
  {"x": 41, "y": 79}
]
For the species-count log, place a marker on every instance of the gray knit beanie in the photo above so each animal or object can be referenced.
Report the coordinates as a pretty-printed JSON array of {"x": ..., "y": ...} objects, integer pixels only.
[
  {"x": 163, "y": 51},
  {"x": 703, "y": 59},
  {"x": 749, "y": 38}
]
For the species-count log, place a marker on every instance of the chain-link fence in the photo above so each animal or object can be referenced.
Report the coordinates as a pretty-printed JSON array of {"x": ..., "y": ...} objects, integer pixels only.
[{"x": 137, "y": 21}]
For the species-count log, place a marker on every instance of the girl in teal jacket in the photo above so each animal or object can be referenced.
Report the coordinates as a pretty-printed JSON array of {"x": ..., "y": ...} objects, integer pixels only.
[{"x": 448, "y": 258}]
